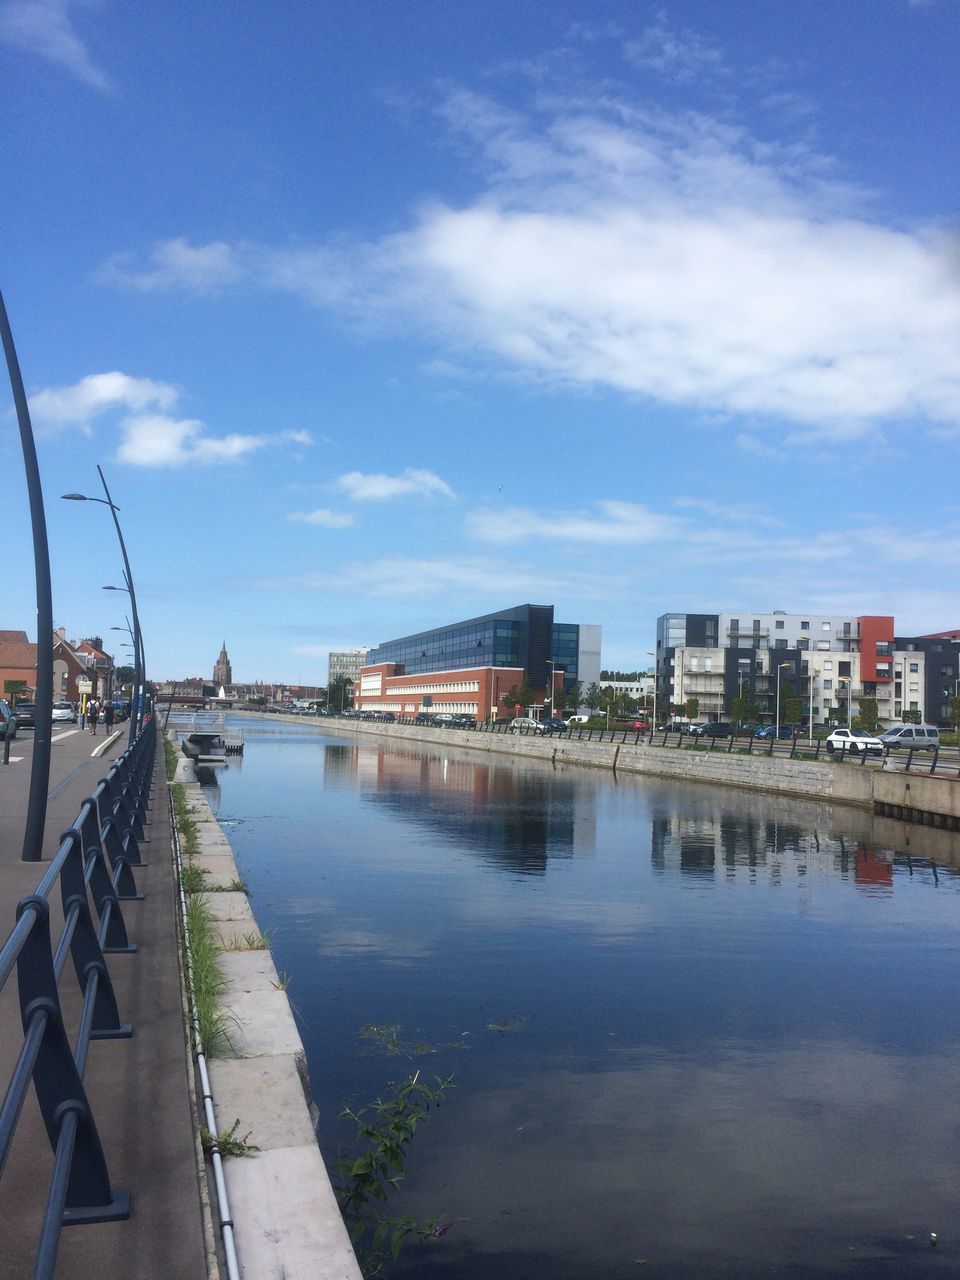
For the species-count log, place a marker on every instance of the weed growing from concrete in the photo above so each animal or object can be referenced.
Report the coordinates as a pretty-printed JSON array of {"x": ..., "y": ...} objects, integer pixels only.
[
  {"x": 251, "y": 941},
  {"x": 172, "y": 756},
  {"x": 193, "y": 878},
  {"x": 215, "y": 1023},
  {"x": 227, "y": 1142}
]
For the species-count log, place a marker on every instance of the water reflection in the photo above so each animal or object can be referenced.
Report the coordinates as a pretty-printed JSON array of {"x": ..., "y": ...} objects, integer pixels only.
[
  {"x": 728, "y": 1042},
  {"x": 515, "y": 818}
]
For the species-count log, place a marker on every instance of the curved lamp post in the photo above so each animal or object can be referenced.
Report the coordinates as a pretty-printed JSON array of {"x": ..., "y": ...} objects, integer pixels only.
[
  {"x": 40, "y": 764},
  {"x": 136, "y": 715}
]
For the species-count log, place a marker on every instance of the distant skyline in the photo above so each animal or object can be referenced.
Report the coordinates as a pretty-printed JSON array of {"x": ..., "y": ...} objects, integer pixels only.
[{"x": 377, "y": 317}]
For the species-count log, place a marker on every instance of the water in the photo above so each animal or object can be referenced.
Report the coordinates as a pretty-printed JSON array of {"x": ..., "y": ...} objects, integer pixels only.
[{"x": 693, "y": 1033}]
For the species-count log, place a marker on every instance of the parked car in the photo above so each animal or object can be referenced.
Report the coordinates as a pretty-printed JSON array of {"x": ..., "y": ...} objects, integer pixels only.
[
  {"x": 641, "y": 726},
  {"x": 786, "y": 731},
  {"x": 554, "y": 724},
  {"x": 64, "y": 712},
  {"x": 423, "y": 717},
  {"x": 577, "y": 719},
  {"x": 911, "y": 737},
  {"x": 8, "y": 721},
  {"x": 26, "y": 713},
  {"x": 853, "y": 742},
  {"x": 676, "y": 726},
  {"x": 446, "y": 718},
  {"x": 464, "y": 720},
  {"x": 525, "y": 724},
  {"x": 715, "y": 729}
]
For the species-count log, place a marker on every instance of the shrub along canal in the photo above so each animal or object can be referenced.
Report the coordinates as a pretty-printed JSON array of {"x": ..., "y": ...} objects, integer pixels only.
[{"x": 703, "y": 1032}]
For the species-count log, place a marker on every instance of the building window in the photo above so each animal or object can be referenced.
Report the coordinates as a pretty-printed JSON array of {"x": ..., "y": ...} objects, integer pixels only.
[
  {"x": 843, "y": 669},
  {"x": 823, "y": 644},
  {"x": 734, "y": 624},
  {"x": 779, "y": 624},
  {"x": 914, "y": 666},
  {"x": 804, "y": 626},
  {"x": 828, "y": 684},
  {"x": 779, "y": 644},
  {"x": 803, "y": 643},
  {"x": 825, "y": 626},
  {"x": 914, "y": 706},
  {"x": 828, "y": 664}
]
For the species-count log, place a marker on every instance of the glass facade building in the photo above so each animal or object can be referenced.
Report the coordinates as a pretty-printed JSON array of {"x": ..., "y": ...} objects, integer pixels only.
[{"x": 525, "y": 636}]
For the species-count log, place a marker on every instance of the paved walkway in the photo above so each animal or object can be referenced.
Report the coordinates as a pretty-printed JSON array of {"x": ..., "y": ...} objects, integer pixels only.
[{"x": 139, "y": 1088}]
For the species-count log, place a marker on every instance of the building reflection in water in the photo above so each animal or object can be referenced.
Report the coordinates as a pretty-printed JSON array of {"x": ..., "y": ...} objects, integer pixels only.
[{"x": 516, "y": 816}]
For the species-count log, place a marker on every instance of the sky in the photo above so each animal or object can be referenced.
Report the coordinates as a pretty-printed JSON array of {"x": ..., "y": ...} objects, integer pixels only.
[{"x": 380, "y": 316}]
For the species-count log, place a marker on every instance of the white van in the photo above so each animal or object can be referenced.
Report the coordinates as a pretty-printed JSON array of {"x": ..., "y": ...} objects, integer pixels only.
[
  {"x": 577, "y": 719},
  {"x": 912, "y": 737}
]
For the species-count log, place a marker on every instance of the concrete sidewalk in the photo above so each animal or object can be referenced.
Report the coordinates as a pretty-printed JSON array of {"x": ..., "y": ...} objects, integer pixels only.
[{"x": 139, "y": 1089}]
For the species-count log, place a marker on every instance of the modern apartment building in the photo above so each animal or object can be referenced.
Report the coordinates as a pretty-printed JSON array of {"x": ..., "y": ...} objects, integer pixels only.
[
  {"x": 468, "y": 666},
  {"x": 830, "y": 661}
]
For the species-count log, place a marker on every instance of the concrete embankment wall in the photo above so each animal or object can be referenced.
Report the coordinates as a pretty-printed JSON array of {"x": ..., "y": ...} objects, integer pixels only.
[{"x": 912, "y": 796}]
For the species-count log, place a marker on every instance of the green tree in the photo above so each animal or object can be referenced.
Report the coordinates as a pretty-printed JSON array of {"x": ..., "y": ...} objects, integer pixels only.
[
  {"x": 340, "y": 694},
  {"x": 911, "y": 717},
  {"x": 792, "y": 709},
  {"x": 955, "y": 714},
  {"x": 743, "y": 710},
  {"x": 868, "y": 717},
  {"x": 691, "y": 708},
  {"x": 518, "y": 695},
  {"x": 571, "y": 697},
  {"x": 593, "y": 698},
  {"x": 13, "y": 688}
]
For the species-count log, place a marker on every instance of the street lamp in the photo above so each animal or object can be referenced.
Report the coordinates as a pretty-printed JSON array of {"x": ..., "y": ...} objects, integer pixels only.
[
  {"x": 814, "y": 672},
  {"x": 32, "y": 850},
  {"x": 780, "y": 667},
  {"x": 136, "y": 710},
  {"x": 650, "y": 654},
  {"x": 849, "y": 684}
]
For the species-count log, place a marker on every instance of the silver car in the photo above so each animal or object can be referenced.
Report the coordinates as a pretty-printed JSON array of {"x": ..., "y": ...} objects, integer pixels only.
[{"x": 64, "y": 712}]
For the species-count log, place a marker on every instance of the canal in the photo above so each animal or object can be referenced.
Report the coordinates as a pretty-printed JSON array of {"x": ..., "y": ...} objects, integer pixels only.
[{"x": 691, "y": 1032}]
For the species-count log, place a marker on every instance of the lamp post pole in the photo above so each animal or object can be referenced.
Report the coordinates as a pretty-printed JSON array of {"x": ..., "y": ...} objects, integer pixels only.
[
  {"x": 780, "y": 667},
  {"x": 650, "y": 654},
  {"x": 814, "y": 672},
  {"x": 43, "y": 733},
  {"x": 139, "y": 661}
]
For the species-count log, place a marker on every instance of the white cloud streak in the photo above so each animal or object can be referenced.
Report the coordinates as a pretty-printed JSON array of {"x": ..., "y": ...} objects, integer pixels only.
[
  {"x": 412, "y": 482},
  {"x": 323, "y": 517},
  {"x": 45, "y": 28}
]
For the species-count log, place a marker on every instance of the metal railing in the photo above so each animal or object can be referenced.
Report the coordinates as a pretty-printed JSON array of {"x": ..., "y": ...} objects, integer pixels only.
[{"x": 93, "y": 867}]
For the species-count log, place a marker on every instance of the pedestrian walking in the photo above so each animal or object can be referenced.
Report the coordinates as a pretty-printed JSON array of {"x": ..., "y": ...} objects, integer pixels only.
[
  {"x": 93, "y": 713},
  {"x": 107, "y": 716}
]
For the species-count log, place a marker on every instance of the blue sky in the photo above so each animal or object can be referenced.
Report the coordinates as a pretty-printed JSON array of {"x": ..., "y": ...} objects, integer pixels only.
[{"x": 378, "y": 316}]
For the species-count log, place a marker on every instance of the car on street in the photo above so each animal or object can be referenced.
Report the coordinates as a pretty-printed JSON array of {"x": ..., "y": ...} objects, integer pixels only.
[
  {"x": 26, "y": 713},
  {"x": 912, "y": 737},
  {"x": 854, "y": 742},
  {"x": 464, "y": 720},
  {"x": 424, "y": 717},
  {"x": 785, "y": 732},
  {"x": 715, "y": 729},
  {"x": 641, "y": 726},
  {"x": 8, "y": 721},
  {"x": 525, "y": 724},
  {"x": 64, "y": 712}
]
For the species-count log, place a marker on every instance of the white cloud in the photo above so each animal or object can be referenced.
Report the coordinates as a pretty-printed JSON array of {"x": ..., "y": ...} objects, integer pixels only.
[
  {"x": 44, "y": 27},
  {"x": 377, "y": 488},
  {"x": 682, "y": 56},
  {"x": 674, "y": 257},
  {"x": 616, "y": 522},
  {"x": 321, "y": 516},
  {"x": 55, "y": 408},
  {"x": 179, "y": 264},
  {"x": 155, "y": 440}
]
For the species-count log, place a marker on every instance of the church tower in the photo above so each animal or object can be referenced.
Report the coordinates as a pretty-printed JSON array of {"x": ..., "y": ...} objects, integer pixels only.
[{"x": 223, "y": 672}]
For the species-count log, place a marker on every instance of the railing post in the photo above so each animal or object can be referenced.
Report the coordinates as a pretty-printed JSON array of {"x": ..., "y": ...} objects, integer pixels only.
[{"x": 88, "y": 1196}]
